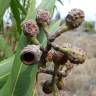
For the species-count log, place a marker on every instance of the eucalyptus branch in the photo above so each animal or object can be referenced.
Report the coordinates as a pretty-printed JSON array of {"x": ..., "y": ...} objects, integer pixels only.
[
  {"x": 51, "y": 72},
  {"x": 54, "y": 81},
  {"x": 44, "y": 55},
  {"x": 60, "y": 30},
  {"x": 63, "y": 50}
]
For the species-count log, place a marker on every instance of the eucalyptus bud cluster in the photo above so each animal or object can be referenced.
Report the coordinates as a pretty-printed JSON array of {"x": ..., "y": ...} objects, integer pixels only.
[{"x": 35, "y": 53}]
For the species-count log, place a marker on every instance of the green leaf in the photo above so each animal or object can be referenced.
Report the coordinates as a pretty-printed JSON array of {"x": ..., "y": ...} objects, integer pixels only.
[
  {"x": 21, "y": 7},
  {"x": 3, "y": 6},
  {"x": 22, "y": 77},
  {"x": 16, "y": 14},
  {"x": 31, "y": 10},
  {"x": 5, "y": 47},
  {"x": 54, "y": 25},
  {"x": 5, "y": 69},
  {"x": 48, "y": 4}
]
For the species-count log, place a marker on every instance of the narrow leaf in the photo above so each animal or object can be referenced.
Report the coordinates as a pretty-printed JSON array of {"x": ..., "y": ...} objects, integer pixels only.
[
  {"x": 3, "y": 6},
  {"x": 5, "y": 47},
  {"x": 16, "y": 14}
]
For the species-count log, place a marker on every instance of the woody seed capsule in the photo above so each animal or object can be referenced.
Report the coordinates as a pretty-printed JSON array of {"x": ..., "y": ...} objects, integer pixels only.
[{"x": 30, "y": 54}]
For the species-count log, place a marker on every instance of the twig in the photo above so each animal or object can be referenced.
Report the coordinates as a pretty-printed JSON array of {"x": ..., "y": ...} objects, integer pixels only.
[
  {"x": 51, "y": 72},
  {"x": 54, "y": 78},
  {"x": 60, "y": 30},
  {"x": 44, "y": 55},
  {"x": 63, "y": 50}
]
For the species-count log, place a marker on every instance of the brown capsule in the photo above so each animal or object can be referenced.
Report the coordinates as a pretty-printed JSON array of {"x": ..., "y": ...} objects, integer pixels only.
[
  {"x": 59, "y": 58},
  {"x": 47, "y": 87},
  {"x": 77, "y": 55},
  {"x": 30, "y": 28},
  {"x": 60, "y": 84},
  {"x": 74, "y": 18},
  {"x": 43, "y": 16},
  {"x": 30, "y": 54}
]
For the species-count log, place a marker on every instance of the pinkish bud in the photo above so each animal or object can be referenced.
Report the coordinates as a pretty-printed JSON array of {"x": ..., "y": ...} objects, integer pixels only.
[
  {"x": 43, "y": 16},
  {"x": 30, "y": 28}
]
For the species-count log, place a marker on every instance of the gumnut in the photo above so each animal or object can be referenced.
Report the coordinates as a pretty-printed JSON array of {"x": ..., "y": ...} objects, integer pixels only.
[
  {"x": 30, "y": 54},
  {"x": 47, "y": 87}
]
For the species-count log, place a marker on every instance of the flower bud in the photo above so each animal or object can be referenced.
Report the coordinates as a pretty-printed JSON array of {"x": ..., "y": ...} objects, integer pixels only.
[
  {"x": 77, "y": 55},
  {"x": 74, "y": 18},
  {"x": 30, "y": 28},
  {"x": 30, "y": 54},
  {"x": 43, "y": 16}
]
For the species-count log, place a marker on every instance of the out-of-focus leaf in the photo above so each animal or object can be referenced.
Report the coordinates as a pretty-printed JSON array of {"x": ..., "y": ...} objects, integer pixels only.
[
  {"x": 16, "y": 14},
  {"x": 61, "y": 2},
  {"x": 54, "y": 25},
  {"x": 3, "y": 6},
  {"x": 5, "y": 69},
  {"x": 48, "y": 4},
  {"x": 5, "y": 47},
  {"x": 31, "y": 14},
  {"x": 21, "y": 7}
]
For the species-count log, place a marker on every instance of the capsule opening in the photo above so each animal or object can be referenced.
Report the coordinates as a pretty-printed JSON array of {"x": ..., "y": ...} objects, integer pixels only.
[{"x": 28, "y": 58}]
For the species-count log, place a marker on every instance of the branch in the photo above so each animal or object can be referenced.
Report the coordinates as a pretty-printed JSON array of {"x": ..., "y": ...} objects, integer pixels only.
[
  {"x": 60, "y": 30},
  {"x": 51, "y": 72}
]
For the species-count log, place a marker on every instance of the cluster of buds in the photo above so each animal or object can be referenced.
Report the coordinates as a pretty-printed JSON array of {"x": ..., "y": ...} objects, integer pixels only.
[{"x": 60, "y": 56}]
